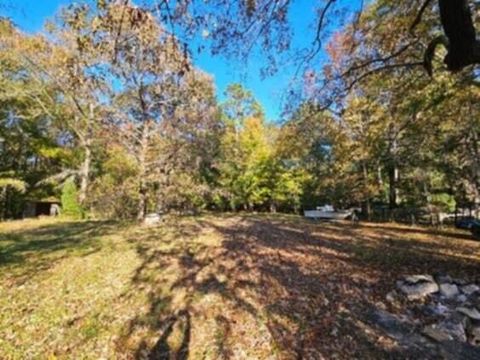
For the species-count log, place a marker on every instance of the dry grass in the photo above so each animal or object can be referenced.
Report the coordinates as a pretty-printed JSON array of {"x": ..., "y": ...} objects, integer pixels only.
[{"x": 210, "y": 287}]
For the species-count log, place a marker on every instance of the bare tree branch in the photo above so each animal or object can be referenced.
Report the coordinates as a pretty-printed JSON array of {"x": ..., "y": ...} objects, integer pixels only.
[{"x": 418, "y": 18}]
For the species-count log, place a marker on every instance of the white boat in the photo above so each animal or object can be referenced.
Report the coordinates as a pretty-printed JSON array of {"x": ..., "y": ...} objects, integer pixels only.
[{"x": 328, "y": 212}]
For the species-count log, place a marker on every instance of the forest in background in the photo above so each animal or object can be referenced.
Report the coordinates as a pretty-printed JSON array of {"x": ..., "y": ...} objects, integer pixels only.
[{"x": 107, "y": 112}]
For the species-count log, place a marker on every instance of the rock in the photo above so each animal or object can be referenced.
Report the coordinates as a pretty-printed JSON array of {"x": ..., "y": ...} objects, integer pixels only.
[
  {"x": 446, "y": 330},
  {"x": 472, "y": 313},
  {"x": 460, "y": 282},
  {"x": 443, "y": 279},
  {"x": 474, "y": 300},
  {"x": 395, "y": 326},
  {"x": 380, "y": 305},
  {"x": 417, "y": 286},
  {"x": 470, "y": 289},
  {"x": 433, "y": 332},
  {"x": 152, "y": 219},
  {"x": 414, "y": 279},
  {"x": 435, "y": 310},
  {"x": 461, "y": 298},
  {"x": 455, "y": 329},
  {"x": 473, "y": 334},
  {"x": 448, "y": 290}
]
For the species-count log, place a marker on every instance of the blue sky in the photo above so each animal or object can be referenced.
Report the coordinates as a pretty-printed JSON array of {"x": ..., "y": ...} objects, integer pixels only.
[{"x": 30, "y": 15}]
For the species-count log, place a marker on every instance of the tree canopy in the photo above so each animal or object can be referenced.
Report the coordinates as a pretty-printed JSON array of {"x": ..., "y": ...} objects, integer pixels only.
[{"x": 108, "y": 104}]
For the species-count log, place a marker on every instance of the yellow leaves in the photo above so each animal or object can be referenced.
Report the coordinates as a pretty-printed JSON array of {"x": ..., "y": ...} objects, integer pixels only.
[
  {"x": 16, "y": 184},
  {"x": 51, "y": 152}
]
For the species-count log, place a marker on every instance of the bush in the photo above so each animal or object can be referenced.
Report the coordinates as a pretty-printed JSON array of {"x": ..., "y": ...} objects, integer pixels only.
[
  {"x": 70, "y": 204},
  {"x": 444, "y": 202},
  {"x": 112, "y": 198}
]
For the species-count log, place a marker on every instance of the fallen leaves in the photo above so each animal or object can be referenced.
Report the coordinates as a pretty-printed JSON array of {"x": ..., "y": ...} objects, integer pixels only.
[{"x": 257, "y": 287}]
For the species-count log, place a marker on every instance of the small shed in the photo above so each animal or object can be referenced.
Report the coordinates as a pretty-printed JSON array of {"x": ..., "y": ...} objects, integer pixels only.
[{"x": 49, "y": 206}]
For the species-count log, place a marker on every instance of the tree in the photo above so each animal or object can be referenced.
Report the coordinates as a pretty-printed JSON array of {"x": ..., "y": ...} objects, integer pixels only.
[
  {"x": 246, "y": 164},
  {"x": 6, "y": 184},
  {"x": 68, "y": 66},
  {"x": 114, "y": 192},
  {"x": 111, "y": 101},
  {"x": 266, "y": 24},
  {"x": 240, "y": 105},
  {"x": 76, "y": 67},
  {"x": 162, "y": 107},
  {"x": 244, "y": 169},
  {"x": 29, "y": 150}
]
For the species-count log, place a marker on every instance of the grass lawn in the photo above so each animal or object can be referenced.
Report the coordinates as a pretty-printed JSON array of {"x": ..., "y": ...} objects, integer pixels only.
[{"x": 210, "y": 287}]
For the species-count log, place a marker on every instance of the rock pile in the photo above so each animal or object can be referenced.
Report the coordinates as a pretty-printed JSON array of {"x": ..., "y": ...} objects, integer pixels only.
[{"x": 450, "y": 308}]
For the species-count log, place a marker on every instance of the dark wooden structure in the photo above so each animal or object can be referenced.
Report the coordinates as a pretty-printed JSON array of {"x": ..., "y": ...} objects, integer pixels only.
[{"x": 41, "y": 207}]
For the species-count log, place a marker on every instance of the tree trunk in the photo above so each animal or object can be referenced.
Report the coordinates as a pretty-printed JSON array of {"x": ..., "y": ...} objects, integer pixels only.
[
  {"x": 475, "y": 169},
  {"x": 380, "y": 183},
  {"x": 86, "y": 143},
  {"x": 85, "y": 172},
  {"x": 273, "y": 208},
  {"x": 426, "y": 194},
  {"x": 392, "y": 191},
  {"x": 457, "y": 22},
  {"x": 142, "y": 162},
  {"x": 366, "y": 190},
  {"x": 3, "y": 200},
  {"x": 392, "y": 167}
]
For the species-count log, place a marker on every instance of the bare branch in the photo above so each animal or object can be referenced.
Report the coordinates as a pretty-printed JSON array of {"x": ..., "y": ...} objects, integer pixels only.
[{"x": 418, "y": 18}]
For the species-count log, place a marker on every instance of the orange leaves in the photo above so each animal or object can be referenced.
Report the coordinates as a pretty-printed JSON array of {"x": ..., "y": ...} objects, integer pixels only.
[{"x": 340, "y": 47}]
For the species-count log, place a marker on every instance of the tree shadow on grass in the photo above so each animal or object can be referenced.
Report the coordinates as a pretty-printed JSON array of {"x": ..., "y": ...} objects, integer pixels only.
[
  {"x": 454, "y": 233},
  {"x": 159, "y": 250},
  {"x": 162, "y": 350},
  {"x": 24, "y": 253},
  {"x": 321, "y": 276},
  {"x": 315, "y": 287}
]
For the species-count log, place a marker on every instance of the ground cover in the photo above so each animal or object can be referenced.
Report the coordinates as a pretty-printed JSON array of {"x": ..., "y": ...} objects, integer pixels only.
[{"x": 211, "y": 286}]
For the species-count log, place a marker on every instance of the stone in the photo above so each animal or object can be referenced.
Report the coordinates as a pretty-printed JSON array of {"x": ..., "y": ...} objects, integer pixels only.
[
  {"x": 446, "y": 330},
  {"x": 470, "y": 289},
  {"x": 472, "y": 313},
  {"x": 473, "y": 334},
  {"x": 461, "y": 298},
  {"x": 380, "y": 305},
  {"x": 455, "y": 329},
  {"x": 152, "y": 219},
  {"x": 435, "y": 310},
  {"x": 414, "y": 279},
  {"x": 443, "y": 279},
  {"x": 433, "y": 332},
  {"x": 448, "y": 290},
  {"x": 395, "y": 326},
  {"x": 460, "y": 281},
  {"x": 418, "y": 286}
]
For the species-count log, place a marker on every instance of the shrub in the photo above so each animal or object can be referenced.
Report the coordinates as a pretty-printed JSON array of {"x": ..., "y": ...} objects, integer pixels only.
[
  {"x": 70, "y": 204},
  {"x": 443, "y": 201}
]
